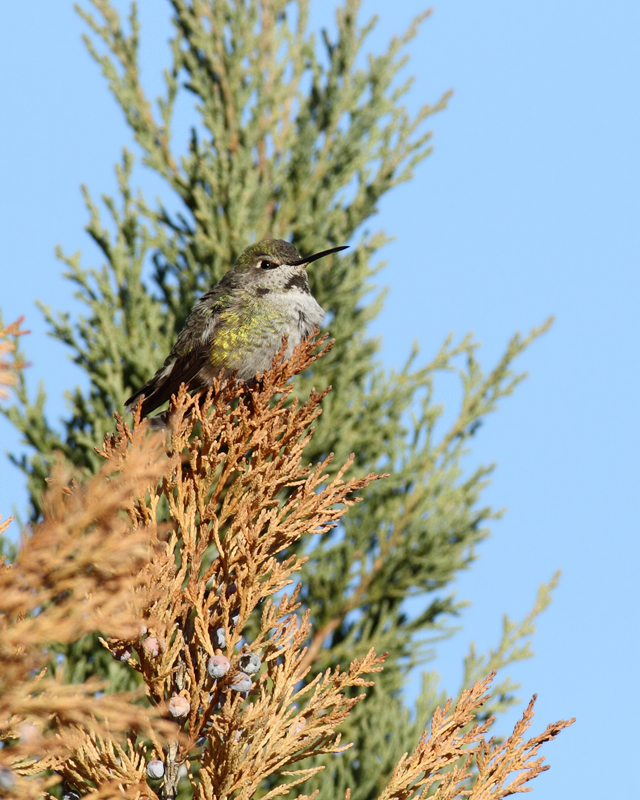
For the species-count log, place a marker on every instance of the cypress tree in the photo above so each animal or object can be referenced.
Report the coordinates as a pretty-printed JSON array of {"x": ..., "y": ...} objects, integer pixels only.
[{"x": 291, "y": 138}]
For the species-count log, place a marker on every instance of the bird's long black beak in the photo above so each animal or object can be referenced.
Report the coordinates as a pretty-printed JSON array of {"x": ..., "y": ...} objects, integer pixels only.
[{"x": 309, "y": 259}]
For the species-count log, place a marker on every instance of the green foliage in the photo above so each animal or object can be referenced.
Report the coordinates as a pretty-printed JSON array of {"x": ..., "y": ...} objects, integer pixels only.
[{"x": 290, "y": 139}]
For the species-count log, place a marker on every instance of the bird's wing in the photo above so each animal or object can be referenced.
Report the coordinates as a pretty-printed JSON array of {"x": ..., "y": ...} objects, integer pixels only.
[
  {"x": 187, "y": 357},
  {"x": 167, "y": 381}
]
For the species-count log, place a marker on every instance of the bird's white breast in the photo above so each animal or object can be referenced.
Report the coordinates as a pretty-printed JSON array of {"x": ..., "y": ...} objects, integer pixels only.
[{"x": 304, "y": 313}]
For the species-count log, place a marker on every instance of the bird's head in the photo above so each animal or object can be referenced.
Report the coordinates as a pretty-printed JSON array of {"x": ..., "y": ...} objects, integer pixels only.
[{"x": 274, "y": 263}]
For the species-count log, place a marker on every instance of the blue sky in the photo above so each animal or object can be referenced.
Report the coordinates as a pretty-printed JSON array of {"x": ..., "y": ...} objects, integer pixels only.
[{"x": 528, "y": 207}]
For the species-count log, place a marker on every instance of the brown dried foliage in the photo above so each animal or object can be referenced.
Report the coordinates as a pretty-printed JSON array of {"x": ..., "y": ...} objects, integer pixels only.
[
  {"x": 9, "y": 364},
  {"x": 210, "y": 582},
  {"x": 441, "y": 766},
  {"x": 76, "y": 573}
]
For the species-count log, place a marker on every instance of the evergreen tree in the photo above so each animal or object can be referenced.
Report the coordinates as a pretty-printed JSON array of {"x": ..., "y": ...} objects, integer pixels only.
[{"x": 291, "y": 139}]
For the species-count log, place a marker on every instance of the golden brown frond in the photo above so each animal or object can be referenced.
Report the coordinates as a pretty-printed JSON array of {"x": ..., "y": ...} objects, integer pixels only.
[
  {"x": 454, "y": 760},
  {"x": 239, "y": 499},
  {"x": 9, "y": 368},
  {"x": 76, "y": 573},
  {"x": 504, "y": 769}
]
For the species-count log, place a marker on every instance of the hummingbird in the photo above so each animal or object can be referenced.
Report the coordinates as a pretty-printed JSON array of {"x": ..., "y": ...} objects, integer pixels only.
[{"x": 238, "y": 326}]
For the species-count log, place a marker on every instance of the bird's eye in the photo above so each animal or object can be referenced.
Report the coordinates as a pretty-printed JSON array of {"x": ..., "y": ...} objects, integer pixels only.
[{"x": 267, "y": 265}]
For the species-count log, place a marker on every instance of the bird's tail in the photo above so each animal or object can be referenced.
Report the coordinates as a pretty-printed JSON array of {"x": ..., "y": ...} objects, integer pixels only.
[{"x": 154, "y": 393}]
